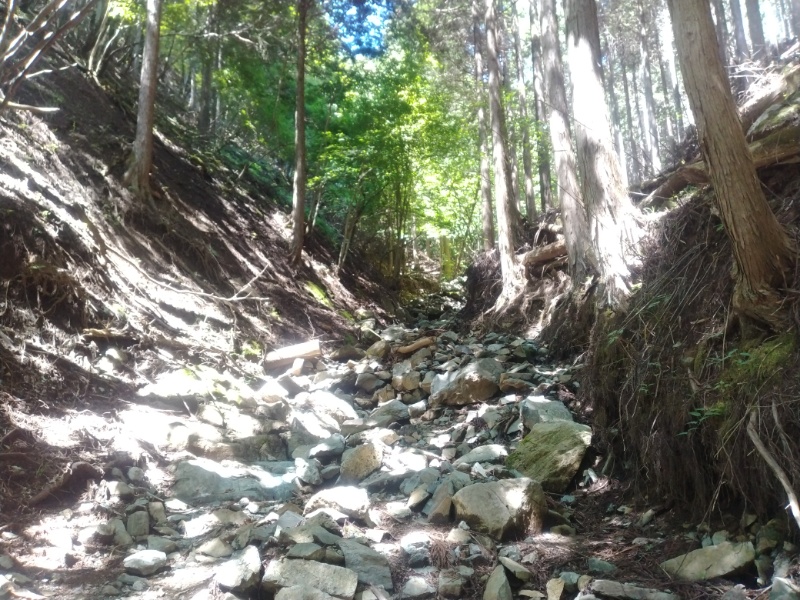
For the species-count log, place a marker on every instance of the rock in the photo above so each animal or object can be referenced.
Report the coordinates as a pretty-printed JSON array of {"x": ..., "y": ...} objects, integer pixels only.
[
  {"x": 336, "y": 581},
  {"x": 710, "y": 562},
  {"x": 417, "y": 588},
  {"x": 452, "y": 582},
  {"x": 359, "y": 462},
  {"x": 538, "y": 409},
  {"x": 517, "y": 570},
  {"x": 145, "y": 562},
  {"x": 352, "y": 501},
  {"x": 215, "y": 548},
  {"x": 552, "y": 453},
  {"x": 368, "y": 382},
  {"x": 612, "y": 589},
  {"x": 138, "y": 524},
  {"x": 492, "y": 453},
  {"x": 555, "y": 589},
  {"x": 156, "y": 542},
  {"x": 770, "y": 536},
  {"x": 379, "y": 350},
  {"x": 474, "y": 383},
  {"x": 784, "y": 589},
  {"x": 438, "y": 507},
  {"x": 597, "y": 566},
  {"x": 307, "y": 471},
  {"x": 203, "y": 481},
  {"x": 306, "y": 551},
  {"x": 302, "y": 592},
  {"x": 347, "y": 352},
  {"x": 240, "y": 574},
  {"x": 329, "y": 448},
  {"x": 497, "y": 588},
  {"x": 502, "y": 508},
  {"x": 417, "y": 546},
  {"x": 371, "y": 567}
]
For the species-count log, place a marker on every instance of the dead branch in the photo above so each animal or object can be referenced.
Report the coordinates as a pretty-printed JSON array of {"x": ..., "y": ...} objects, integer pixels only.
[
  {"x": 287, "y": 354},
  {"x": 420, "y": 343},
  {"x": 542, "y": 254},
  {"x": 78, "y": 471},
  {"x": 778, "y": 89}
]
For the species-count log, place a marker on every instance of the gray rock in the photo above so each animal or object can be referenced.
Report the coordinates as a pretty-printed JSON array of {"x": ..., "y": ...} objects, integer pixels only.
[
  {"x": 538, "y": 409},
  {"x": 452, "y": 582},
  {"x": 352, "y": 501},
  {"x": 359, "y": 462},
  {"x": 598, "y": 566},
  {"x": 240, "y": 574},
  {"x": 306, "y": 551},
  {"x": 201, "y": 481},
  {"x": 417, "y": 588},
  {"x": 307, "y": 471},
  {"x": 552, "y": 453},
  {"x": 336, "y": 581},
  {"x": 371, "y": 567},
  {"x": 329, "y": 448},
  {"x": 491, "y": 453},
  {"x": 476, "y": 382},
  {"x": 710, "y": 562},
  {"x": 368, "y": 382},
  {"x": 156, "y": 542},
  {"x": 386, "y": 414},
  {"x": 145, "y": 562},
  {"x": 497, "y": 588},
  {"x": 157, "y": 511},
  {"x": 379, "y": 349},
  {"x": 138, "y": 524},
  {"x": 502, "y": 508},
  {"x": 302, "y": 592},
  {"x": 216, "y": 548},
  {"x": 784, "y": 589},
  {"x": 626, "y": 591},
  {"x": 516, "y": 569},
  {"x": 121, "y": 535}
]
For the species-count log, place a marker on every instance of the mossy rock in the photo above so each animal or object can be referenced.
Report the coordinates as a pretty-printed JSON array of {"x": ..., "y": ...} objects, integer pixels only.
[{"x": 552, "y": 453}]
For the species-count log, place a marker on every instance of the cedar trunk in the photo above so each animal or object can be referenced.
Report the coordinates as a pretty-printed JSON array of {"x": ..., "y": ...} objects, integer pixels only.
[
  {"x": 299, "y": 187},
  {"x": 487, "y": 208},
  {"x": 764, "y": 254},
  {"x": 542, "y": 147},
  {"x": 576, "y": 227},
  {"x": 530, "y": 197},
  {"x": 756, "y": 27},
  {"x": 138, "y": 175},
  {"x": 740, "y": 41}
]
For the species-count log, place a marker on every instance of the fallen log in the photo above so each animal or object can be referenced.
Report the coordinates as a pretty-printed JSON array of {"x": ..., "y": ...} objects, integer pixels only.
[
  {"x": 784, "y": 85},
  {"x": 420, "y": 343},
  {"x": 541, "y": 254},
  {"x": 780, "y": 147},
  {"x": 287, "y": 354}
]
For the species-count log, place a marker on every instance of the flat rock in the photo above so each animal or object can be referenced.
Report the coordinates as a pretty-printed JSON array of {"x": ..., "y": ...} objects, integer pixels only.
[
  {"x": 203, "y": 481},
  {"x": 538, "y": 409},
  {"x": 502, "y": 508},
  {"x": 371, "y": 566},
  {"x": 516, "y": 569},
  {"x": 302, "y": 592},
  {"x": 552, "y": 453},
  {"x": 240, "y": 574},
  {"x": 350, "y": 500},
  {"x": 417, "y": 588},
  {"x": 491, "y": 453},
  {"x": 145, "y": 562},
  {"x": 613, "y": 589},
  {"x": 784, "y": 589},
  {"x": 339, "y": 582},
  {"x": 476, "y": 382},
  {"x": 497, "y": 588},
  {"x": 359, "y": 462},
  {"x": 710, "y": 562}
]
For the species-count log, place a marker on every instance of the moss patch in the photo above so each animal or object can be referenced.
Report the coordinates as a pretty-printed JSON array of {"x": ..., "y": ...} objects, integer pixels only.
[{"x": 318, "y": 293}]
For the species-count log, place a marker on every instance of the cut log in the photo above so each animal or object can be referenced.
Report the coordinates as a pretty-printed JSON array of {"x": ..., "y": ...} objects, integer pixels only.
[
  {"x": 542, "y": 254},
  {"x": 780, "y": 147},
  {"x": 420, "y": 343},
  {"x": 287, "y": 354},
  {"x": 784, "y": 85}
]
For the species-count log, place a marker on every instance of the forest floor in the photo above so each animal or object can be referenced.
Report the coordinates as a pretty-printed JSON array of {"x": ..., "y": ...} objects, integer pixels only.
[{"x": 121, "y": 323}]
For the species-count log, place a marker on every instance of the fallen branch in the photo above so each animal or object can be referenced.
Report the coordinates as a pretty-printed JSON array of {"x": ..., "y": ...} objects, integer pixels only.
[
  {"x": 784, "y": 85},
  {"x": 541, "y": 254},
  {"x": 78, "y": 471},
  {"x": 420, "y": 343},
  {"x": 794, "y": 504},
  {"x": 286, "y": 355}
]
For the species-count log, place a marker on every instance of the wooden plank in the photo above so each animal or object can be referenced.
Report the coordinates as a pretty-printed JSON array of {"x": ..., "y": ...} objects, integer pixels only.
[{"x": 287, "y": 354}]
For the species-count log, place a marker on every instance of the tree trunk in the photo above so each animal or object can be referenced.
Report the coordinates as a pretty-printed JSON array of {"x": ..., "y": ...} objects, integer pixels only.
[
  {"x": 740, "y": 41},
  {"x": 483, "y": 127},
  {"x": 794, "y": 7},
  {"x": 669, "y": 98},
  {"x": 576, "y": 227},
  {"x": 616, "y": 127},
  {"x": 502, "y": 177},
  {"x": 522, "y": 96},
  {"x": 613, "y": 229},
  {"x": 636, "y": 164},
  {"x": 138, "y": 174},
  {"x": 542, "y": 146},
  {"x": 764, "y": 254},
  {"x": 650, "y": 130},
  {"x": 299, "y": 187},
  {"x": 756, "y": 26},
  {"x": 721, "y": 29}
]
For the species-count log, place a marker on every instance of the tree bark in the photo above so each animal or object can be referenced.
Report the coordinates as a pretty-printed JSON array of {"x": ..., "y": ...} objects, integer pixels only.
[
  {"x": 613, "y": 229},
  {"x": 485, "y": 174},
  {"x": 794, "y": 7},
  {"x": 502, "y": 177},
  {"x": 756, "y": 26},
  {"x": 616, "y": 125},
  {"x": 650, "y": 125},
  {"x": 636, "y": 164},
  {"x": 740, "y": 41},
  {"x": 299, "y": 187},
  {"x": 666, "y": 86},
  {"x": 721, "y": 29},
  {"x": 542, "y": 146},
  {"x": 138, "y": 174},
  {"x": 576, "y": 227},
  {"x": 764, "y": 254},
  {"x": 522, "y": 96}
]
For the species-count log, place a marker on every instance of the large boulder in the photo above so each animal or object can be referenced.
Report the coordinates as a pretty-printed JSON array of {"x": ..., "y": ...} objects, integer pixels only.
[
  {"x": 476, "y": 382},
  {"x": 240, "y": 574},
  {"x": 503, "y": 508},
  {"x": 330, "y": 579},
  {"x": 552, "y": 453},
  {"x": 711, "y": 561},
  {"x": 360, "y": 461}
]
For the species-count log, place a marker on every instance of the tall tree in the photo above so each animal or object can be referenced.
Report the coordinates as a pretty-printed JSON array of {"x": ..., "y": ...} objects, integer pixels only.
[
  {"x": 576, "y": 227},
  {"x": 740, "y": 41},
  {"x": 300, "y": 175},
  {"x": 649, "y": 123},
  {"x": 542, "y": 146},
  {"x": 794, "y": 8},
  {"x": 763, "y": 251},
  {"x": 483, "y": 128},
  {"x": 611, "y": 88},
  {"x": 138, "y": 174},
  {"x": 756, "y": 26},
  {"x": 613, "y": 229},
  {"x": 502, "y": 177},
  {"x": 722, "y": 29},
  {"x": 522, "y": 97}
]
